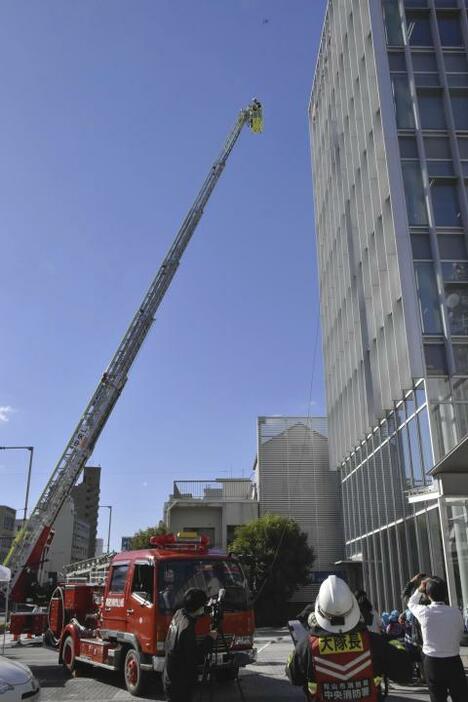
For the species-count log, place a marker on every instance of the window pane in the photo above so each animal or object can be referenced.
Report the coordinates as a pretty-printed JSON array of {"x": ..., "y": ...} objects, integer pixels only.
[
  {"x": 460, "y": 109},
  {"x": 455, "y": 270},
  {"x": 456, "y": 63},
  {"x": 403, "y": 104},
  {"x": 431, "y": 109},
  {"x": 415, "y": 3},
  {"x": 408, "y": 147},
  {"x": 428, "y": 298},
  {"x": 436, "y": 362},
  {"x": 420, "y": 395},
  {"x": 405, "y": 456},
  {"x": 449, "y": 29},
  {"x": 461, "y": 358},
  {"x": 463, "y": 147},
  {"x": 415, "y": 452},
  {"x": 427, "y": 80},
  {"x": 446, "y": 3},
  {"x": 439, "y": 169},
  {"x": 421, "y": 246},
  {"x": 445, "y": 204},
  {"x": 437, "y": 147},
  {"x": 418, "y": 29},
  {"x": 119, "y": 577},
  {"x": 425, "y": 435},
  {"x": 410, "y": 406},
  {"x": 415, "y": 203},
  {"x": 400, "y": 414},
  {"x": 452, "y": 246},
  {"x": 457, "y": 80},
  {"x": 456, "y": 299},
  {"x": 397, "y": 61},
  {"x": 461, "y": 414},
  {"x": 424, "y": 62},
  {"x": 460, "y": 389},
  {"x": 392, "y": 23},
  {"x": 438, "y": 389}
]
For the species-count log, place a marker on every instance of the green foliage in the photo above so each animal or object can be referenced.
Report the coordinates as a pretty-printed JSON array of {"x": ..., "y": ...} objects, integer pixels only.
[
  {"x": 277, "y": 559},
  {"x": 142, "y": 537}
]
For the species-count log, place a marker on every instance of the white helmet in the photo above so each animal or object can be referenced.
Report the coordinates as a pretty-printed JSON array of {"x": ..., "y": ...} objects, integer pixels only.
[{"x": 336, "y": 608}]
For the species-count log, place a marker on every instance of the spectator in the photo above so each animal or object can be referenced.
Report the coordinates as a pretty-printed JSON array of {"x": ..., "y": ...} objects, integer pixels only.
[
  {"x": 368, "y": 614},
  {"x": 442, "y": 630},
  {"x": 394, "y": 629}
]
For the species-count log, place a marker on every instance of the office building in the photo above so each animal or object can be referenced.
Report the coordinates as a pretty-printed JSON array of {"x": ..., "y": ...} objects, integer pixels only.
[
  {"x": 86, "y": 498},
  {"x": 293, "y": 478},
  {"x": 7, "y": 530},
  {"x": 389, "y": 130}
]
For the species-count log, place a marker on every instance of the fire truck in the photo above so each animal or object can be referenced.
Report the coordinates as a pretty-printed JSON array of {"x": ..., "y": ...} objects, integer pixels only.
[{"x": 114, "y": 612}]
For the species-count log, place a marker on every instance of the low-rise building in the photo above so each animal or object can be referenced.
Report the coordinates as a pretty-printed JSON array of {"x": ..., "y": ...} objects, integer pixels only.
[{"x": 213, "y": 508}]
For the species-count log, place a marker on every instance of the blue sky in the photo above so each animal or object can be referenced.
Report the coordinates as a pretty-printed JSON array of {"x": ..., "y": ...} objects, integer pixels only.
[{"x": 112, "y": 114}]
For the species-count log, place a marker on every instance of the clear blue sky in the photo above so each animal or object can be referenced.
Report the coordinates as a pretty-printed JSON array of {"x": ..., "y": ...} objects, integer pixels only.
[{"x": 112, "y": 113}]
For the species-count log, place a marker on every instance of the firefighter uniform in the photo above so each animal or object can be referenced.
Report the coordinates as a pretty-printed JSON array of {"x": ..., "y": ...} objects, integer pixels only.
[
  {"x": 348, "y": 666},
  {"x": 183, "y": 656}
]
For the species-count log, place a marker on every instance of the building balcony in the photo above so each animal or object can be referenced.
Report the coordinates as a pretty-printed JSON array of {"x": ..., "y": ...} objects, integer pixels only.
[{"x": 219, "y": 490}]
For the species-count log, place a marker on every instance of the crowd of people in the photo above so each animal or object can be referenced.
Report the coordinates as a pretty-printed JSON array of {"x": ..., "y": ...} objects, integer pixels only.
[{"x": 350, "y": 650}]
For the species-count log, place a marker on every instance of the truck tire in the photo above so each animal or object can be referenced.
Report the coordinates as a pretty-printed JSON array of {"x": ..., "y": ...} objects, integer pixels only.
[
  {"x": 68, "y": 655},
  {"x": 135, "y": 678}
]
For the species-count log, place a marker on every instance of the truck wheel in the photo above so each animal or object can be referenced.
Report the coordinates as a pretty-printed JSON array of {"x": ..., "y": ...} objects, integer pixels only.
[
  {"x": 68, "y": 655},
  {"x": 135, "y": 678}
]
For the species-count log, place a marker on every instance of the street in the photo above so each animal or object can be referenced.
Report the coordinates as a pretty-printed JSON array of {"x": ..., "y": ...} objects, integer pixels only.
[{"x": 263, "y": 681}]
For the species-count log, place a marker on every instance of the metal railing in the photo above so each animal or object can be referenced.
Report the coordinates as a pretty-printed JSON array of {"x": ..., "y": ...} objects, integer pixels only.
[{"x": 213, "y": 490}]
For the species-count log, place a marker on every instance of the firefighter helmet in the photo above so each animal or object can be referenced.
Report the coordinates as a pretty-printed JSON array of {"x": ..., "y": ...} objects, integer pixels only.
[{"x": 336, "y": 608}]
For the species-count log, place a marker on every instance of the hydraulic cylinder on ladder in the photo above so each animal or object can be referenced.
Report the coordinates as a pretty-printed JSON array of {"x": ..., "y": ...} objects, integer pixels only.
[{"x": 25, "y": 555}]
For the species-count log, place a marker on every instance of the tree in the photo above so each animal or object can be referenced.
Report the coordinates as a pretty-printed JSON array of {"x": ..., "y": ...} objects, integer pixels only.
[
  {"x": 278, "y": 561},
  {"x": 142, "y": 537}
]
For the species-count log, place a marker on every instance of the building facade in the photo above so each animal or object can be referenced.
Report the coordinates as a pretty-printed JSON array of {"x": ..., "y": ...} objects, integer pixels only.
[
  {"x": 213, "y": 508},
  {"x": 294, "y": 479},
  {"x": 86, "y": 499},
  {"x": 7, "y": 530},
  {"x": 389, "y": 131}
]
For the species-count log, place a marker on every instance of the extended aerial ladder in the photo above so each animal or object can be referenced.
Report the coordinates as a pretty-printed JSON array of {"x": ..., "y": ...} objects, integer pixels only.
[{"x": 25, "y": 554}]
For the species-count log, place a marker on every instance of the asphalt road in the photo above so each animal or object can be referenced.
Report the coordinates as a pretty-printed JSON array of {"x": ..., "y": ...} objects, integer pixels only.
[{"x": 263, "y": 681}]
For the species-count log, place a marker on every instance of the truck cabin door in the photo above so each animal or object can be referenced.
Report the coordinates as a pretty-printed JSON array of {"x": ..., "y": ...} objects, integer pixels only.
[
  {"x": 114, "y": 615},
  {"x": 141, "y": 609}
]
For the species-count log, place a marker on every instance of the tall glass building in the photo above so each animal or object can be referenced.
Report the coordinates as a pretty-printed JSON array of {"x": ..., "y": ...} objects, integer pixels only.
[{"x": 389, "y": 131}]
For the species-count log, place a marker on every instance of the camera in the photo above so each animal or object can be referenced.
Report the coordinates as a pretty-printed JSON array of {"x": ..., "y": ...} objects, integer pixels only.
[{"x": 214, "y": 609}]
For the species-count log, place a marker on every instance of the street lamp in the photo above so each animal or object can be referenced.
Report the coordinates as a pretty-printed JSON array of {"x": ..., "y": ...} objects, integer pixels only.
[
  {"x": 31, "y": 451},
  {"x": 109, "y": 507}
]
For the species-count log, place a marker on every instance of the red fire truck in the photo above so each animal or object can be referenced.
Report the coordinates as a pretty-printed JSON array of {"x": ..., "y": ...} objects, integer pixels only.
[{"x": 120, "y": 621}]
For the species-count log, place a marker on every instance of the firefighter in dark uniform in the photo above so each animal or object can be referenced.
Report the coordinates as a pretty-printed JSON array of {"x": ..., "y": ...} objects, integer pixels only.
[
  {"x": 183, "y": 653},
  {"x": 340, "y": 659}
]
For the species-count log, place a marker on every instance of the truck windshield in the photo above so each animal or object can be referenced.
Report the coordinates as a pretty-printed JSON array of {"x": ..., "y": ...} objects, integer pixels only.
[{"x": 177, "y": 576}]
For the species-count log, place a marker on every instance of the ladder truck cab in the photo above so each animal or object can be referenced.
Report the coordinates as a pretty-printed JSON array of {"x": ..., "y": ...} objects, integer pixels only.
[{"x": 121, "y": 622}]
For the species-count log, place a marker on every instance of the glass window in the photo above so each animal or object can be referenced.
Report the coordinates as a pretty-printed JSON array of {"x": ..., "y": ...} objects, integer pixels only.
[
  {"x": 425, "y": 435},
  {"x": 403, "y": 104},
  {"x": 410, "y": 406},
  {"x": 391, "y": 422},
  {"x": 440, "y": 169},
  {"x": 463, "y": 147},
  {"x": 446, "y": 3},
  {"x": 412, "y": 546},
  {"x": 421, "y": 246},
  {"x": 415, "y": 202},
  {"x": 464, "y": 165},
  {"x": 461, "y": 414},
  {"x": 457, "y": 513},
  {"x": 437, "y": 552},
  {"x": 418, "y": 29},
  {"x": 431, "y": 109},
  {"x": 460, "y": 352},
  {"x": 392, "y": 23},
  {"x": 452, "y": 246},
  {"x": 415, "y": 3},
  {"x": 449, "y": 29},
  {"x": 405, "y": 456},
  {"x": 424, "y": 62},
  {"x": 428, "y": 297},
  {"x": 427, "y": 80},
  {"x": 460, "y": 109},
  {"x": 460, "y": 388},
  {"x": 456, "y": 299},
  {"x": 418, "y": 475},
  {"x": 408, "y": 147},
  {"x": 436, "y": 361},
  {"x": 438, "y": 389},
  {"x": 420, "y": 395},
  {"x": 457, "y": 80},
  {"x": 455, "y": 270},
  {"x": 396, "y": 61},
  {"x": 143, "y": 581},
  {"x": 119, "y": 578},
  {"x": 424, "y": 549},
  {"x": 437, "y": 147},
  {"x": 456, "y": 63},
  {"x": 400, "y": 414},
  {"x": 445, "y": 204}
]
